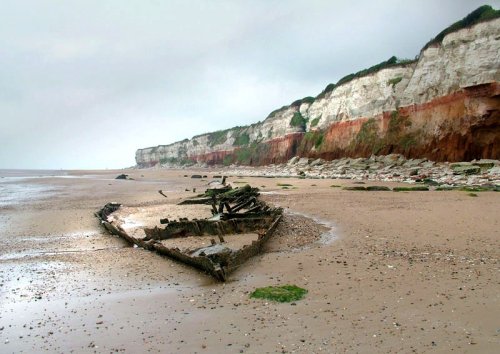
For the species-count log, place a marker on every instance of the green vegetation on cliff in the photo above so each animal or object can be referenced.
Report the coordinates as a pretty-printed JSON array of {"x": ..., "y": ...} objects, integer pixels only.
[
  {"x": 393, "y": 82},
  {"x": 298, "y": 121},
  {"x": 241, "y": 138},
  {"x": 379, "y": 137},
  {"x": 312, "y": 138},
  {"x": 481, "y": 14},
  {"x": 298, "y": 103},
  {"x": 315, "y": 122},
  {"x": 175, "y": 161},
  {"x": 218, "y": 137},
  {"x": 389, "y": 63},
  {"x": 397, "y": 137}
]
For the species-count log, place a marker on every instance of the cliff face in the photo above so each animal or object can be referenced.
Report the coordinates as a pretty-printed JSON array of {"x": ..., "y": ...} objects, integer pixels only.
[{"x": 443, "y": 106}]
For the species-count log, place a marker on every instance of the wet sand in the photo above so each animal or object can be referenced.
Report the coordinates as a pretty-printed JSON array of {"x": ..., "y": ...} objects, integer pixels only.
[{"x": 399, "y": 273}]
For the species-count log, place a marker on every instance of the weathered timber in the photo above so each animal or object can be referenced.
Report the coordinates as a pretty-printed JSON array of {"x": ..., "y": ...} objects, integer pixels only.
[
  {"x": 163, "y": 194},
  {"x": 205, "y": 227},
  {"x": 217, "y": 259},
  {"x": 196, "y": 200}
]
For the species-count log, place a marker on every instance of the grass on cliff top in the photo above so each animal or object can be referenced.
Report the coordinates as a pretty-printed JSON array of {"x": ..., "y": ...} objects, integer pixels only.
[
  {"x": 481, "y": 14},
  {"x": 391, "y": 62},
  {"x": 285, "y": 293}
]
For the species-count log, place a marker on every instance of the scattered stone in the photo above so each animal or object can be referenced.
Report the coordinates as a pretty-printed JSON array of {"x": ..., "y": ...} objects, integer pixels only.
[
  {"x": 196, "y": 176},
  {"x": 486, "y": 164},
  {"x": 317, "y": 162},
  {"x": 293, "y": 160},
  {"x": 303, "y": 161},
  {"x": 390, "y": 168},
  {"x": 495, "y": 170}
]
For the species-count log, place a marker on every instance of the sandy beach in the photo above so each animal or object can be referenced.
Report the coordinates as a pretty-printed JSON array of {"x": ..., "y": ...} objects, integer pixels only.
[{"x": 406, "y": 272}]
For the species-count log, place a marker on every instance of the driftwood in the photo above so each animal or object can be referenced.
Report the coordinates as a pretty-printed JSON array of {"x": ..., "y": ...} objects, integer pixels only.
[
  {"x": 245, "y": 213},
  {"x": 163, "y": 194}
]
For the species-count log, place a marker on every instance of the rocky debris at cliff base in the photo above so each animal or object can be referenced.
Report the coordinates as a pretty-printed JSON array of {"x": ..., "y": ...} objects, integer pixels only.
[{"x": 388, "y": 168}]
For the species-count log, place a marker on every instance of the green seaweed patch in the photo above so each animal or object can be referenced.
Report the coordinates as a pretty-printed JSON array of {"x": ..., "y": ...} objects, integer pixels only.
[
  {"x": 284, "y": 293},
  {"x": 377, "y": 188},
  {"x": 368, "y": 188},
  {"x": 355, "y": 188},
  {"x": 411, "y": 189},
  {"x": 472, "y": 195},
  {"x": 284, "y": 185},
  {"x": 487, "y": 188},
  {"x": 475, "y": 189},
  {"x": 335, "y": 186},
  {"x": 446, "y": 188}
]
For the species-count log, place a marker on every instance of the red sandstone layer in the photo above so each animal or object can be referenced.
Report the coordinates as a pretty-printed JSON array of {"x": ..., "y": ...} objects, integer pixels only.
[{"x": 462, "y": 126}]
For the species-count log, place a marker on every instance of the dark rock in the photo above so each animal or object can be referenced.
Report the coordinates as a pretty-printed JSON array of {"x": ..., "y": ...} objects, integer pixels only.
[{"x": 123, "y": 176}]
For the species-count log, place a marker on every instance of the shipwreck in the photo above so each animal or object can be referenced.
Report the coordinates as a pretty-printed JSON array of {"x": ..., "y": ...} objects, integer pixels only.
[{"x": 236, "y": 227}]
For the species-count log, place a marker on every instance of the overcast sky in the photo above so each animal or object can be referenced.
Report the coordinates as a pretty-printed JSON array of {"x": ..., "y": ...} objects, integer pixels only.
[{"x": 83, "y": 84}]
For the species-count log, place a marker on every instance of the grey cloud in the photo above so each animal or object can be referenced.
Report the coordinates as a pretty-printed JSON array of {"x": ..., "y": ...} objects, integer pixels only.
[{"x": 85, "y": 83}]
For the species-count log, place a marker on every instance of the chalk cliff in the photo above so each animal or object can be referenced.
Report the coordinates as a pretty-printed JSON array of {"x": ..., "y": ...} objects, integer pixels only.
[{"x": 444, "y": 106}]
